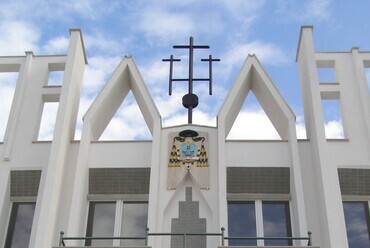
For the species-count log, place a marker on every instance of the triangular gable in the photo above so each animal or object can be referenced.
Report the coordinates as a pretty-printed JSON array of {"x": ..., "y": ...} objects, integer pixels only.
[
  {"x": 253, "y": 77},
  {"x": 126, "y": 77}
]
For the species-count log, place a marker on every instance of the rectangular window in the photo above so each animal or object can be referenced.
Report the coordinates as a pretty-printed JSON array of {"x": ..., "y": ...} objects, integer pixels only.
[
  {"x": 55, "y": 78},
  {"x": 8, "y": 83},
  {"x": 326, "y": 71},
  {"x": 101, "y": 223},
  {"x": 134, "y": 222},
  {"x": 367, "y": 71},
  {"x": 326, "y": 75},
  {"x": 48, "y": 119},
  {"x": 242, "y": 222},
  {"x": 259, "y": 219},
  {"x": 333, "y": 119},
  {"x": 56, "y": 73},
  {"x": 20, "y": 225},
  {"x": 276, "y": 222},
  {"x": 116, "y": 219},
  {"x": 357, "y": 219}
]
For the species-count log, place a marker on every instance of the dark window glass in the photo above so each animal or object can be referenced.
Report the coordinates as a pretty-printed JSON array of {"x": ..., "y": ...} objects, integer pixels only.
[
  {"x": 20, "y": 225},
  {"x": 242, "y": 222},
  {"x": 134, "y": 222},
  {"x": 276, "y": 222},
  {"x": 101, "y": 223},
  {"x": 356, "y": 215}
]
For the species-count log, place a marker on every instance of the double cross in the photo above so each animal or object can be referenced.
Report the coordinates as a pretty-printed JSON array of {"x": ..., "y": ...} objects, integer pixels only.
[{"x": 190, "y": 100}]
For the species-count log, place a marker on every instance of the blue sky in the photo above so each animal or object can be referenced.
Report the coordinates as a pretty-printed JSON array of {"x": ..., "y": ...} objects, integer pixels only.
[{"x": 148, "y": 30}]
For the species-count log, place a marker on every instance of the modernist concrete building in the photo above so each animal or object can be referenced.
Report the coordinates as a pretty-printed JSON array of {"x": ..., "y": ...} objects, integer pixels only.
[{"x": 188, "y": 179}]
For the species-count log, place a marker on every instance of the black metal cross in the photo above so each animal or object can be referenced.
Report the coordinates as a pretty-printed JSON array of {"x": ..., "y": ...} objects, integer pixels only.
[{"x": 190, "y": 100}]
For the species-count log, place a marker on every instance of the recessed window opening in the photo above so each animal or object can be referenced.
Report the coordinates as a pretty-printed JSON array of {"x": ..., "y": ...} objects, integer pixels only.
[
  {"x": 128, "y": 123},
  {"x": 367, "y": 71},
  {"x": 56, "y": 73},
  {"x": 20, "y": 224},
  {"x": 48, "y": 120},
  {"x": 55, "y": 78},
  {"x": 326, "y": 72},
  {"x": 356, "y": 215},
  {"x": 301, "y": 127},
  {"x": 259, "y": 219},
  {"x": 252, "y": 123},
  {"x": 8, "y": 81},
  {"x": 116, "y": 218},
  {"x": 332, "y": 119}
]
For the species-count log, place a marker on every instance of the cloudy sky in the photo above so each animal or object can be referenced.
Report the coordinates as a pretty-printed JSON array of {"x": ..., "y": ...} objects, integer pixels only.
[{"x": 147, "y": 30}]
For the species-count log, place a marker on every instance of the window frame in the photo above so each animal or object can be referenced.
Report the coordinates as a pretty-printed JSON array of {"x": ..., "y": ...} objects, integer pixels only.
[
  {"x": 357, "y": 199},
  {"x": 258, "y": 200},
  {"x": 119, "y": 208},
  {"x": 11, "y": 224}
]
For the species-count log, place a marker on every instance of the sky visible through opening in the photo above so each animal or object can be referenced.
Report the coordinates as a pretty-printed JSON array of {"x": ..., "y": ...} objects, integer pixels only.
[{"x": 147, "y": 30}]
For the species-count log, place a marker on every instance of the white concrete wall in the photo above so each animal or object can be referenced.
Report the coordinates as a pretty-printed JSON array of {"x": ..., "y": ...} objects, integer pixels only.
[{"x": 62, "y": 199}]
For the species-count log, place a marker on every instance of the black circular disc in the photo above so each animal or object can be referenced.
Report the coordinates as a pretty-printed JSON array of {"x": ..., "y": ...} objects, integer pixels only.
[{"x": 190, "y": 100}]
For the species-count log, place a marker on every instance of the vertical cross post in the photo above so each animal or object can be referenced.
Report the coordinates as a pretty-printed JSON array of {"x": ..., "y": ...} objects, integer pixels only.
[{"x": 190, "y": 100}]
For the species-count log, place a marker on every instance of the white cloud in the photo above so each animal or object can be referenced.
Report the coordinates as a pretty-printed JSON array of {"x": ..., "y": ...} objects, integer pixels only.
[
  {"x": 8, "y": 82},
  {"x": 100, "y": 43},
  {"x": 253, "y": 125},
  {"x": 85, "y": 103},
  {"x": 318, "y": 9},
  {"x": 169, "y": 105},
  {"x": 199, "y": 118},
  {"x": 56, "y": 46},
  {"x": 244, "y": 9},
  {"x": 97, "y": 72},
  {"x": 267, "y": 53},
  {"x": 334, "y": 130},
  {"x": 48, "y": 119},
  {"x": 314, "y": 10},
  {"x": 128, "y": 123},
  {"x": 63, "y": 11},
  {"x": 300, "y": 128},
  {"x": 155, "y": 72},
  {"x": 160, "y": 24},
  {"x": 18, "y": 37}
]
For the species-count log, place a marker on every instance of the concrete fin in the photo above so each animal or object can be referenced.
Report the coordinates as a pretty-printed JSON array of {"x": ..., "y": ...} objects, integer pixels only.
[
  {"x": 126, "y": 78},
  {"x": 252, "y": 77}
]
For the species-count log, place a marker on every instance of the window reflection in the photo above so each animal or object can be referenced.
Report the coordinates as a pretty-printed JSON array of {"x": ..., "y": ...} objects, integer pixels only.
[
  {"x": 276, "y": 222},
  {"x": 101, "y": 223},
  {"x": 20, "y": 225},
  {"x": 357, "y": 224},
  {"x": 134, "y": 222},
  {"x": 242, "y": 222}
]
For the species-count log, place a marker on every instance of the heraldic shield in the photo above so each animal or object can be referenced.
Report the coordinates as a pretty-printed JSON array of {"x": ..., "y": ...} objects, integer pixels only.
[{"x": 188, "y": 156}]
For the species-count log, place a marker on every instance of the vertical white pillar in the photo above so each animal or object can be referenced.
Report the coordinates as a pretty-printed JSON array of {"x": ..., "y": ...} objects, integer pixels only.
[
  {"x": 329, "y": 200},
  {"x": 4, "y": 201},
  {"x": 52, "y": 179},
  {"x": 17, "y": 105}
]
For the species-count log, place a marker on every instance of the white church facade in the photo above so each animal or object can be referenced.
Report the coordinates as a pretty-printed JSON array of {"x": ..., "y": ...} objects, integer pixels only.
[{"x": 189, "y": 185}]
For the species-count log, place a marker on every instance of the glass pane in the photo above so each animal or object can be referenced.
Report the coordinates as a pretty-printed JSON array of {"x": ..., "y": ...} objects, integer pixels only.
[
  {"x": 101, "y": 222},
  {"x": 242, "y": 222},
  {"x": 134, "y": 222},
  {"x": 276, "y": 222},
  {"x": 356, "y": 215},
  {"x": 20, "y": 225}
]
